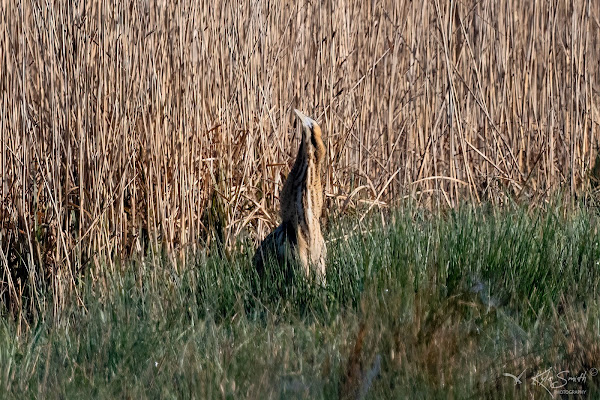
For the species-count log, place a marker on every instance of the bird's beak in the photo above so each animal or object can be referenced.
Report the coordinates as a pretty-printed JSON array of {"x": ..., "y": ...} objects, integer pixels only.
[{"x": 306, "y": 121}]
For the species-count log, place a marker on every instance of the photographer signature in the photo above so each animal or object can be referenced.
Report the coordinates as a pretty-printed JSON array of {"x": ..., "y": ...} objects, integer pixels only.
[{"x": 551, "y": 381}]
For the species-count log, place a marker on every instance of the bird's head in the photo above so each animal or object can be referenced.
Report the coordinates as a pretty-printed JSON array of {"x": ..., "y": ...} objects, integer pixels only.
[{"x": 311, "y": 135}]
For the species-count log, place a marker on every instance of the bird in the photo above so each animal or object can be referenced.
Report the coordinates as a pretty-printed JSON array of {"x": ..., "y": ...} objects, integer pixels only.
[{"x": 299, "y": 235}]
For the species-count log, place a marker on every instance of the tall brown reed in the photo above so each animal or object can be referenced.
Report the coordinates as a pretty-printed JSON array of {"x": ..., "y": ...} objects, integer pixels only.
[{"x": 132, "y": 126}]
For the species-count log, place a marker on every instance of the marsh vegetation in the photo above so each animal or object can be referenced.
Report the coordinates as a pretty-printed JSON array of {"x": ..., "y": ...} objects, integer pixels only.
[{"x": 143, "y": 149}]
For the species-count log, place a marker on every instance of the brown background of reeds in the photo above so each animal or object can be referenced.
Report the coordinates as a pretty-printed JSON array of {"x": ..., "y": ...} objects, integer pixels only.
[{"x": 133, "y": 126}]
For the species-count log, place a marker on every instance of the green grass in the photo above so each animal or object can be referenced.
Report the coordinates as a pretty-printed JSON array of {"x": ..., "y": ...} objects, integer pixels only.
[{"x": 427, "y": 306}]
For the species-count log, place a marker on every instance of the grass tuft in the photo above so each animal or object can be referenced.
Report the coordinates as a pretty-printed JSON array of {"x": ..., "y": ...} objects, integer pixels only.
[{"x": 427, "y": 305}]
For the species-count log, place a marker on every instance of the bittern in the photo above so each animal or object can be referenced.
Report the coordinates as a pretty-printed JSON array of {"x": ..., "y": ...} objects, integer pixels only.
[{"x": 301, "y": 204}]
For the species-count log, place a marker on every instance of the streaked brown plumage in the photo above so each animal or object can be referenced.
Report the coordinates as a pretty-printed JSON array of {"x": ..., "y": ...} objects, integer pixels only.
[{"x": 301, "y": 205}]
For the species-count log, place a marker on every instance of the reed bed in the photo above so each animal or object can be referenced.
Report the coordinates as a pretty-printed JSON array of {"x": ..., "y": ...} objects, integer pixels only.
[{"x": 143, "y": 127}]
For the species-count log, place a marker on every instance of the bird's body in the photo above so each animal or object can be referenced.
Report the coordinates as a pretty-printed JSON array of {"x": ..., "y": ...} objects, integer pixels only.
[{"x": 301, "y": 205}]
